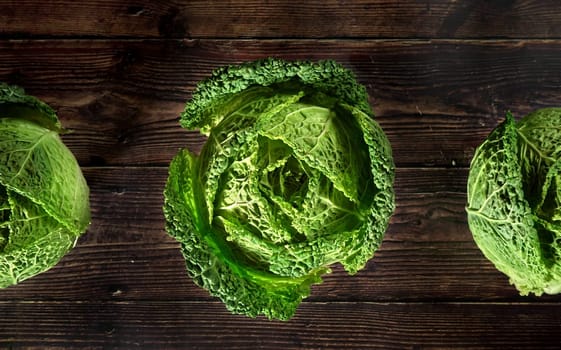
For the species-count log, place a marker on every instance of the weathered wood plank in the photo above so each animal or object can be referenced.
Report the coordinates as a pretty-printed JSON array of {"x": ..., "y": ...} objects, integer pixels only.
[
  {"x": 282, "y": 19},
  {"x": 427, "y": 254},
  {"x": 207, "y": 325},
  {"x": 435, "y": 100},
  {"x": 441, "y": 74},
  {"x": 399, "y": 272}
]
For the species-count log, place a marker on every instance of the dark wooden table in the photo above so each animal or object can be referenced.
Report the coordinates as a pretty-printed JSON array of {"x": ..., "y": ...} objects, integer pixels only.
[{"x": 441, "y": 74}]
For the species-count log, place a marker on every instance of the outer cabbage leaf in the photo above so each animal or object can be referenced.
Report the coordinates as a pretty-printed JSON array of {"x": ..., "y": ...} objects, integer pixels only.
[
  {"x": 514, "y": 200},
  {"x": 294, "y": 177},
  {"x": 44, "y": 198}
]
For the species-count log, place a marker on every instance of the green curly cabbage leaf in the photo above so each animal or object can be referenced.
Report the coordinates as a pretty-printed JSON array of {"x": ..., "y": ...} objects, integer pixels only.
[
  {"x": 294, "y": 177},
  {"x": 514, "y": 200},
  {"x": 44, "y": 198}
]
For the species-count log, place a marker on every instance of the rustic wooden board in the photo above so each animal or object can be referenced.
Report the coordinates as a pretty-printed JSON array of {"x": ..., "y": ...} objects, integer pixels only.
[
  {"x": 436, "y": 100},
  {"x": 441, "y": 75},
  {"x": 350, "y": 325},
  {"x": 282, "y": 19}
]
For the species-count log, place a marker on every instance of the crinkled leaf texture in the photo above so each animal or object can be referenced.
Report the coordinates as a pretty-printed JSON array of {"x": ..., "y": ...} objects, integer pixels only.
[
  {"x": 44, "y": 198},
  {"x": 514, "y": 200},
  {"x": 294, "y": 177}
]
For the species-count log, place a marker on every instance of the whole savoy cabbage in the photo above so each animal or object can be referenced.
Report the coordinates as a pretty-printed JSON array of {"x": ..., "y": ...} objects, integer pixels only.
[
  {"x": 44, "y": 198},
  {"x": 514, "y": 200},
  {"x": 294, "y": 177}
]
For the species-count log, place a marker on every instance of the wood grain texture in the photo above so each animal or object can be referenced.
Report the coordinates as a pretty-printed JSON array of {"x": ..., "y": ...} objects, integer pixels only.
[
  {"x": 436, "y": 100},
  {"x": 440, "y": 74},
  {"x": 282, "y": 19},
  {"x": 352, "y": 325}
]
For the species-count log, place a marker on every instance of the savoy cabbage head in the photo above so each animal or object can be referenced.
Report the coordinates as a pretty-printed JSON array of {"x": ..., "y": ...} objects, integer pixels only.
[
  {"x": 44, "y": 198},
  {"x": 294, "y": 177},
  {"x": 514, "y": 200}
]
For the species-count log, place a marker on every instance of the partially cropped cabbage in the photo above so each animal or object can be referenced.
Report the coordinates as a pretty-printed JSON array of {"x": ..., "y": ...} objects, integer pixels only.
[
  {"x": 44, "y": 204},
  {"x": 295, "y": 176},
  {"x": 514, "y": 200}
]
